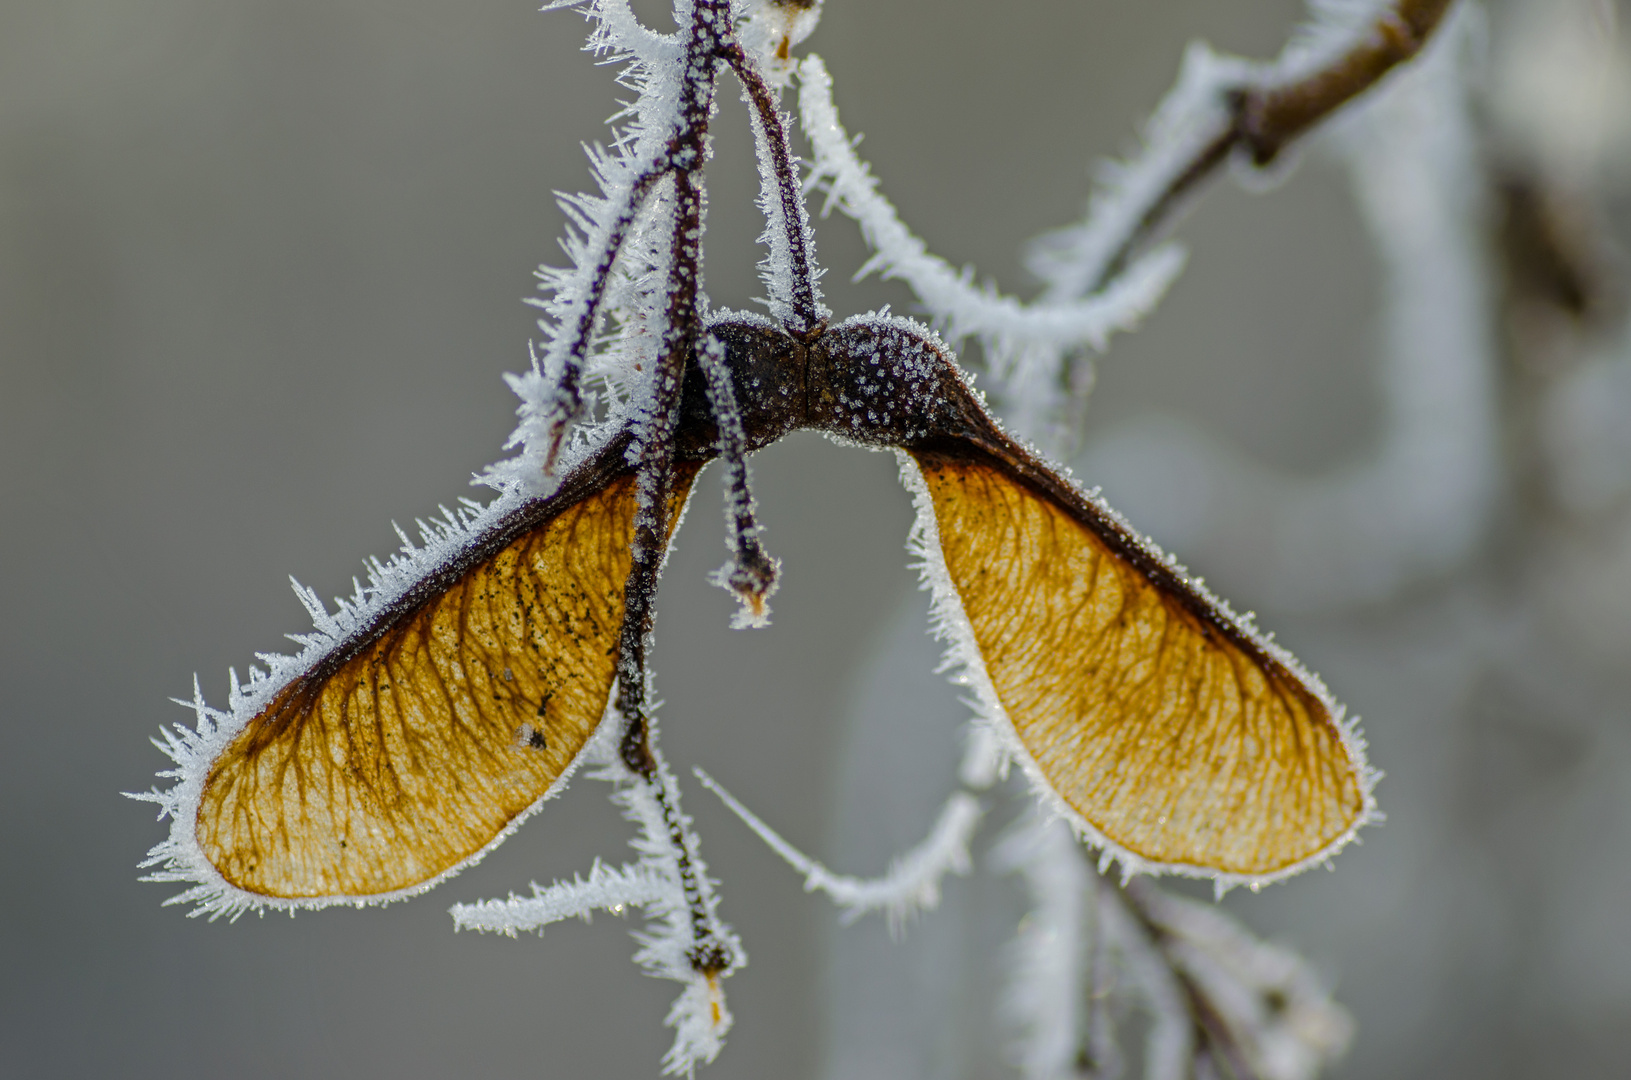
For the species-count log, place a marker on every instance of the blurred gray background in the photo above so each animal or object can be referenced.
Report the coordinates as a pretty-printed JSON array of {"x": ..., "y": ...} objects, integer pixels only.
[{"x": 260, "y": 272}]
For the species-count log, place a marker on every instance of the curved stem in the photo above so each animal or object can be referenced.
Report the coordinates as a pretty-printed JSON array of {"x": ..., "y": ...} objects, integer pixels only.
[
  {"x": 809, "y": 319},
  {"x": 1264, "y": 120}
]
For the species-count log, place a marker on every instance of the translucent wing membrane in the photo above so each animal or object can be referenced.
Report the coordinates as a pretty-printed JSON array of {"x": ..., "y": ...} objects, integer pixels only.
[
  {"x": 411, "y": 748},
  {"x": 1175, "y": 736}
]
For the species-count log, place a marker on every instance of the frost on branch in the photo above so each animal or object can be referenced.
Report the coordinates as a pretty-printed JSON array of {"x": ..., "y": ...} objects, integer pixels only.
[
  {"x": 1416, "y": 505},
  {"x": 1051, "y": 970},
  {"x": 913, "y": 881},
  {"x": 1216, "y": 999},
  {"x": 1260, "y": 1010},
  {"x": 603, "y": 312},
  {"x": 789, "y": 267},
  {"x": 1178, "y": 145},
  {"x": 605, "y": 889},
  {"x": 1103, "y": 275},
  {"x": 675, "y": 909},
  {"x": 751, "y": 573},
  {"x": 1024, "y": 343}
]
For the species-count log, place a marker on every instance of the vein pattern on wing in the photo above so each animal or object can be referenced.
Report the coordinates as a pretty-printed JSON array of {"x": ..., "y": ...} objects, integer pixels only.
[
  {"x": 1172, "y": 736},
  {"x": 411, "y": 754}
]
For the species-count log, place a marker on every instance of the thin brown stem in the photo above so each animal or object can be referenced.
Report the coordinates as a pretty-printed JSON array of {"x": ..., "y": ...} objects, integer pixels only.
[
  {"x": 751, "y": 574},
  {"x": 1268, "y": 118},
  {"x": 808, "y": 319},
  {"x": 654, "y": 441},
  {"x": 1264, "y": 120},
  {"x": 654, "y": 453},
  {"x": 568, "y": 398}
]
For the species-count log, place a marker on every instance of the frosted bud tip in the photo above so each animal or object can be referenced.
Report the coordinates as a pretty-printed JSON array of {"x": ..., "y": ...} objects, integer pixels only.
[
  {"x": 771, "y": 30},
  {"x": 753, "y": 578}
]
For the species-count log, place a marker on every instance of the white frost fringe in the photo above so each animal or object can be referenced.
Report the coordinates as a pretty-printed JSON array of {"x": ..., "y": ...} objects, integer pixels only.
[
  {"x": 967, "y": 668},
  {"x": 698, "y": 1016},
  {"x": 1024, "y": 343},
  {"x": 913, "y": 881},
  {"x": 634, "y": 296},
  {"x": 612, "y": 890},
  {"x": 777, "y": 269},
  {"x": 194, "y": 750},
  {"x": 1193, "y": 113},
  {"x": 1261, "y": 1003},
  {"x": 1169, "y": 1045}
]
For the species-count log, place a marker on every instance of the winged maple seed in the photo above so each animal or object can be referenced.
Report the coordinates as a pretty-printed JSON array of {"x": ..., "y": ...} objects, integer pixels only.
[
  {"x": 1165, "y": 724},
  {"x": 459, "y": 690}
]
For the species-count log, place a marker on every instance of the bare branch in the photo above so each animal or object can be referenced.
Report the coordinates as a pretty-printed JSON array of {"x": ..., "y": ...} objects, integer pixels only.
[
  {"x": 809, "y": 318},
  {"x": 1268, "y": 118},
  {"x": 751, "y": 573},
  {"x": 567, "y": 401},
  {"x": 1265, "y": 119}
]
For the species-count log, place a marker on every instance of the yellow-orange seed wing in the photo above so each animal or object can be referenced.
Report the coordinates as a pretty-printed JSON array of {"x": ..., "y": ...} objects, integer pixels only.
[
  {"x": 399, "y": 762},
  {"x": 1167, "y": 728}
]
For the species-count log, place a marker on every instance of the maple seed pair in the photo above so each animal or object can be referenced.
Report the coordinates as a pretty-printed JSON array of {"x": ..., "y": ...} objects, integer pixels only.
[{"x": 1172, "y": 734}]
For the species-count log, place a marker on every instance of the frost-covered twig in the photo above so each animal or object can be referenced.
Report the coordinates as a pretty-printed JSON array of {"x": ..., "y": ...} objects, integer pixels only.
[
  {"x": 679, "y": 317},
  {"x": 1099, "y": 277},
  {"x": 1151, "y": 984},
  {"x": 1216, "y": 1000},
  {"x": 913, "y": 881},
  {"x": 947, "y": 294},
  {"x": 1259, "y": 1006},
  {"x": 1049, "y": 971},
  {"x": 1019, "y": 339},
  {"x": 751, "y": 573},
  {"x": 605, "y": 228},
  {"x": 684, "y": 939},
  {"x": 789, "y": 269},
  {"x": 612, "y": 890},
  {"x": 1422, "y": 500},
  {"x": 1223, "y": 107}
]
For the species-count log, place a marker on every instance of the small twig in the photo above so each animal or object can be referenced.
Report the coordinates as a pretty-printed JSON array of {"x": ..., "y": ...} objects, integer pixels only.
[
  {"x": 808, "y": 318},
  {"x": 1268, "y": 118},
  {"x": 1212, "y": 1032},
  {"x": 751, "y": 573},
  {"x": 567, "y": 400},
  {"x": 913, "y": 880},
  {"x": 1264, "y": 120}
]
